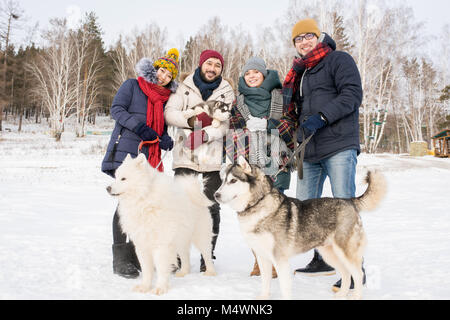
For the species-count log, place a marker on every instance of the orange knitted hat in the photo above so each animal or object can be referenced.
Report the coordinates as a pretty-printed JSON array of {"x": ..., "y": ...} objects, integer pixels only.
[{"x": 305, "y": 26}]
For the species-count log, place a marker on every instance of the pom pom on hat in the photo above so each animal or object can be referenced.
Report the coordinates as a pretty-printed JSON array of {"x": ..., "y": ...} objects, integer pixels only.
[
  {"x": 169, "y": 62},
  {"x": 305, "y": 26}
]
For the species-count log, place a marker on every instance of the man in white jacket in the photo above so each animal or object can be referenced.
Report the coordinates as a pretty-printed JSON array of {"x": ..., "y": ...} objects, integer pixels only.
[{"x": 194, "y": 131}]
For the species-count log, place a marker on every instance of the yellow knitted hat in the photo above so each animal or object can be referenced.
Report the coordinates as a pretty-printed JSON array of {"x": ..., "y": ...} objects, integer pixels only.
[
  {"x": 169, "y": 62},
  {"x": 305, "y": 26}
]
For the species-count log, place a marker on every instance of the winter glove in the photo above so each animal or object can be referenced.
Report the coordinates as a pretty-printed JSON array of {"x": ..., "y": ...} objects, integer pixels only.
[
  {"x": 166, "y": 142},
  {"x": 145, "y": 133},
  {"x": 196, "y": 139},
  {"x": 313, "y": 123},
  {"x": 203, "y": 119},
  {"x": 256, "y": 124}
]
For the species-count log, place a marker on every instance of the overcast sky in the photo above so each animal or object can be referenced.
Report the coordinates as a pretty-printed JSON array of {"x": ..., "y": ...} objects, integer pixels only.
[{"x": 183, "y": 18}]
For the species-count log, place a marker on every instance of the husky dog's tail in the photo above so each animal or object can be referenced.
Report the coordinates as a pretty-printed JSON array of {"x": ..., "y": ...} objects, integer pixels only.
[
  {"x": 194, "y": 189},
  {"x": 375, "y": 192}
]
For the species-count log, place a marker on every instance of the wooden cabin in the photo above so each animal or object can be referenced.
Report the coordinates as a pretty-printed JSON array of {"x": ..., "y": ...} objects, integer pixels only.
[{"x": 441, "y": 143}]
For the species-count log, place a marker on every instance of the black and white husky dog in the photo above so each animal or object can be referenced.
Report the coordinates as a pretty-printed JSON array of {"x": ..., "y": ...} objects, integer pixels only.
[{"x": 278, "y": 227}]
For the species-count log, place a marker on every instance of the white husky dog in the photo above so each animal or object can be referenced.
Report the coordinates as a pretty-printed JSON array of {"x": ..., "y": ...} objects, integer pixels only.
[{"x": 162, "y": 216}]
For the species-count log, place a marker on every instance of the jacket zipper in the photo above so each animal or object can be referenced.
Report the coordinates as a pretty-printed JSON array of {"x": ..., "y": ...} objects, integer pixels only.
[{"x": 301, "y": 83}]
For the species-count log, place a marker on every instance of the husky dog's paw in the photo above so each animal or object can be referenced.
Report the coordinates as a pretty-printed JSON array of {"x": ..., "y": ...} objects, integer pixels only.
[
  {"x": 142, "y": 288},
  {"x": 215, "y": 123},
  {"x": 263, "y": 297},
  {"x": 160, "y": 290}
]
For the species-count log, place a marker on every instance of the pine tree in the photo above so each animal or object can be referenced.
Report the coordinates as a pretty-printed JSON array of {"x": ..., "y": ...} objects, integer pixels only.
[
  {"x": 10, "y": 14},
  {"x": 339, "y": 35}
]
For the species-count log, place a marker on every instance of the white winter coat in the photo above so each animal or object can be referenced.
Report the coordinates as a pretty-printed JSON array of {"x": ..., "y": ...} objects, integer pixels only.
[{"x": 179, "y": 109}]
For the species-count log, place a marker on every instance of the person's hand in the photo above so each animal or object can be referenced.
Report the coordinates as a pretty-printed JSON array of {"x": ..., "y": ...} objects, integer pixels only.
[
  {"x": 256, "y": 124},
  {"x": 189, "y": 113},
  {"x": 196, "y": 139},
  {"x": 166, "y": 142},
  {"x": 145, "y": 133},
  {"x": 202, "y": 119},
  {"x": 312, "y": 124}
]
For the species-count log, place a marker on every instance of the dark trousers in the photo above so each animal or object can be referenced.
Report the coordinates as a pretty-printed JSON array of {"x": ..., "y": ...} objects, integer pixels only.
[
  {"x": 212, "y": 183},
  {"x": 118, "y": 235}
]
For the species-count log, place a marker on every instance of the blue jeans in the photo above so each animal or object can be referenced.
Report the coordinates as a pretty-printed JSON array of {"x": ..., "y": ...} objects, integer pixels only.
[{"x": 341, "y": 170}]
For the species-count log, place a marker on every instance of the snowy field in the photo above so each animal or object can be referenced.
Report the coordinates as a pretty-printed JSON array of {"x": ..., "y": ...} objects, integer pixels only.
[{"x": 55, "y": 229}]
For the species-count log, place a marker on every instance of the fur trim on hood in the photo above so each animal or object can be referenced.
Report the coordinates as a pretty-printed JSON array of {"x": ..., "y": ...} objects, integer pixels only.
[{"x": 145, "y": 69}]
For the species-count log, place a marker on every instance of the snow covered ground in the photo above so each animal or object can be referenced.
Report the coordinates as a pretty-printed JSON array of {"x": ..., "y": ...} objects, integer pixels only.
[{"x": 55, "y": 229}]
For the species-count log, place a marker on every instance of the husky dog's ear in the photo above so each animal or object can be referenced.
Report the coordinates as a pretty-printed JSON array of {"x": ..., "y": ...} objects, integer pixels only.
[{"x": 244, "y": 164}]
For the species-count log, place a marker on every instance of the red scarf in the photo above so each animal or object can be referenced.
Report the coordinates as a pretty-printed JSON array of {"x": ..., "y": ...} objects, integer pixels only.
[
  {"x": 310, "y": 60},
  {"x": 157, "y": 96}
]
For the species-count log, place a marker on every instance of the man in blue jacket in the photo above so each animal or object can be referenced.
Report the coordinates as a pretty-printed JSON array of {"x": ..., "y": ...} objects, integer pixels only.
[{"x": 322, "y": 95}]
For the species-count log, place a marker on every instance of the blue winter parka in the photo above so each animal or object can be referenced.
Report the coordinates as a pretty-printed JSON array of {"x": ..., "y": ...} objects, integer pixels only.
[{"x": 129, "y": 108}]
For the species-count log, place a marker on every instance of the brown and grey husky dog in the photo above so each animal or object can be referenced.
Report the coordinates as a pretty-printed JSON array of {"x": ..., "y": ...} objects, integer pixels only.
[{"x": 278, "y": 227}]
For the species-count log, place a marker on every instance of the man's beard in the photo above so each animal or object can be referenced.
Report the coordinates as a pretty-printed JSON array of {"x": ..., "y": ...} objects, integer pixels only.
[{"x": 202, "y": 75}]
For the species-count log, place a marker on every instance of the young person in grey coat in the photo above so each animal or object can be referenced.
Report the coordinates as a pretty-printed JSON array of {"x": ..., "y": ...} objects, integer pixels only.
[
  {"x": 256, "y": 111},
  {"x": 138, "y": 109}
]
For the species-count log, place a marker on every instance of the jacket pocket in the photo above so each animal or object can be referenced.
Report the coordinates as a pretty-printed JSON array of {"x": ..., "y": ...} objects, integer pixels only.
[{"x": 343, "y": 127}]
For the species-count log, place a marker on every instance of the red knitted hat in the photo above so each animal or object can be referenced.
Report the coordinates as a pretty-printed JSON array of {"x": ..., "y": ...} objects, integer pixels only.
[{"x": 205, "y": 55}]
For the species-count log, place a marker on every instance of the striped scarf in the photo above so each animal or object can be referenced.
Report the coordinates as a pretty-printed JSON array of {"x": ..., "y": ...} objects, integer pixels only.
[{"x": 255, "y": 146}]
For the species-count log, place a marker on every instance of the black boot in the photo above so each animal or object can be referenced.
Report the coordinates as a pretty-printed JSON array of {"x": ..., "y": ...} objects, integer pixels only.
[
  {"x": 317, "y": 267},
  {"x": 125, "y": 261},
  {"x": 337, "y": 285}
]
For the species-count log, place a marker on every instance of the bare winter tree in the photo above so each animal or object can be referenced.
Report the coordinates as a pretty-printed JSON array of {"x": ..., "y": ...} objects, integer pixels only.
[
  {"x": 121, "y": 68},
  {"x": 382, "y": 35},
  {"x": 54, "y": 73},
  {"x": 235, "y": 45},
  {"x": 87, "y": 68},
  {"x": 212, "y": 36},
  {"x": 238, "y": 49},
  {"x": 422, "y": 99},
  {"x": 149, "y": 43},
  {"x": 275, "y": 46}
]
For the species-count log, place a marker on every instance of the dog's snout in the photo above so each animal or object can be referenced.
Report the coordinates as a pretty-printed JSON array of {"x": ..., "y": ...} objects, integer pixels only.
[
  {"x": 108, "y": 188},
  {"x": 217, "y": 195}
]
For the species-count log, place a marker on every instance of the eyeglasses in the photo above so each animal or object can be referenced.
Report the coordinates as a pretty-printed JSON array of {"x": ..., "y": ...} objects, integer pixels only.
[{"x": 307, "y": 36}]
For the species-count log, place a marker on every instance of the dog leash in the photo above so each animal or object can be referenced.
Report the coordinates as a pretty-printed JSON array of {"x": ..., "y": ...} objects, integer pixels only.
[
  {"x": 300, "y": 148},
  {"x": 162, "y": 158},
  {"x": 143, "y": 143}
]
